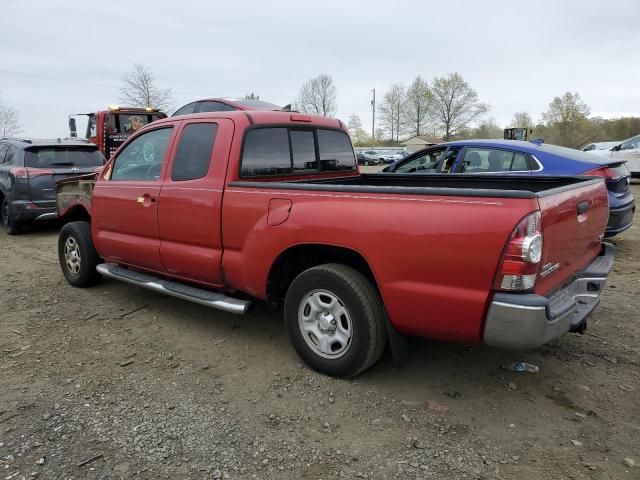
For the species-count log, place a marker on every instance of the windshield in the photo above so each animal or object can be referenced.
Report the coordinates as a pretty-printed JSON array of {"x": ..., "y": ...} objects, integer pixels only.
[{"x": 47, "y": 157}]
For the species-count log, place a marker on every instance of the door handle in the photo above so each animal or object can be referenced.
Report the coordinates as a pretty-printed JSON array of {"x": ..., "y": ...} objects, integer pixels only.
[
  {"x": 582, "y": 207},
  {"x": 146, "y": 200}
]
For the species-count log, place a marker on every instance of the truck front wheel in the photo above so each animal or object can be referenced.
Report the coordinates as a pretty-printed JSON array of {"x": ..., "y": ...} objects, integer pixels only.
[
  {"x": 77, "y": 255},
  {"x": 335, "y": 320}
]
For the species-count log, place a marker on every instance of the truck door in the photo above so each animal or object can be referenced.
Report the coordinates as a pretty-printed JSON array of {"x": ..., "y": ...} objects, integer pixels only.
[
  {"x": 190, "y": 207},
  {"x": 125, "y": 203}
]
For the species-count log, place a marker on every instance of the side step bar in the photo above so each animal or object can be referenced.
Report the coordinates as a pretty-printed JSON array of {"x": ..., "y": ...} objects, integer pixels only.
[{"x": 175, "y": 289}]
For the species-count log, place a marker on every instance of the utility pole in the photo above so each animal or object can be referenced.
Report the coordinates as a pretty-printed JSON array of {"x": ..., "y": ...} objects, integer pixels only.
[{"x": 373, "y": 122}]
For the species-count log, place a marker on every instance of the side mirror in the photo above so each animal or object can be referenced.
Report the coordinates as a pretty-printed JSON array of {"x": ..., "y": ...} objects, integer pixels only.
[
  {"x": 616, "y": 148},
  {"x": 386, "y": 169},
  {"x": 72, "y": 128}
]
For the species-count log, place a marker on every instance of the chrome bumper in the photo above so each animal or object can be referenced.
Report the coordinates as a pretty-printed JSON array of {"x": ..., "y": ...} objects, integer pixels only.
[{"x": 525, "y": 321}]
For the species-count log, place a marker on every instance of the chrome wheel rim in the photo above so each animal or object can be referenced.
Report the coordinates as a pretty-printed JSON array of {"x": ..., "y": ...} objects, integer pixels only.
[
  {"x": 325, "y": 324},
  {"x": 72, "y": 255}
]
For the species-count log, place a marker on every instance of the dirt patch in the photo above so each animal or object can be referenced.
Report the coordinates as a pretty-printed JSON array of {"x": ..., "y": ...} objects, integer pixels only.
[{"x": 117, "y": 382}]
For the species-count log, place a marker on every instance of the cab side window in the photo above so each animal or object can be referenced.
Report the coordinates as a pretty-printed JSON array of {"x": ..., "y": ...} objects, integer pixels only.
[
  {"x": 142, "y": 158},
  {"x": 630, "y": 145},
  {"x": 10, "y": 158},
  {"x": 426, "y": 163},
  {"x": 3, "y": 152},
  {"x": 211, "y": 107},
  {"x": 193, "y": 154},
  {"x": 485, "y": 160}
]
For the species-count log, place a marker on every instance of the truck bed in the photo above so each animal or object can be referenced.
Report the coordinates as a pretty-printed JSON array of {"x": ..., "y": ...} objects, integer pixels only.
[{"x": 505, "y": 186}]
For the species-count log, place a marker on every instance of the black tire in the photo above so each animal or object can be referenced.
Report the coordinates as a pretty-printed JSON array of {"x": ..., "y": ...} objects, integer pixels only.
[
  {"x": 8, "y": 222},
  {"x": 364, "y": 310},
  {"x": 78, "y": 234}
]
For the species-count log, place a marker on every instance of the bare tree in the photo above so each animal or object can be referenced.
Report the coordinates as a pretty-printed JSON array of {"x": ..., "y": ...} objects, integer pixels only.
[
  {"x": 391, "y": 110},
  {"x": 454, "y": 104},
  {"x": 318, "y": 96},
  {"x": 415, "y": 111},
  {"x": 9, "y": 121},
  {"x": 139, "y": 90},
  {"x": 358, "y": 134},
  {"x": 521, "y": 119}
]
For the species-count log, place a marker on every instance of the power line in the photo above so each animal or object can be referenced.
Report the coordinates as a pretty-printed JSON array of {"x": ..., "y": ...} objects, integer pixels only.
[
  {"x": 44, "y": 77},
  {"x": 103, "y": 85}
]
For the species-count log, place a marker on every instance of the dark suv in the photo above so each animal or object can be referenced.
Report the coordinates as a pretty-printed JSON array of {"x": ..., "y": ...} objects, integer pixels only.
[{"x": 29, "y": 170}]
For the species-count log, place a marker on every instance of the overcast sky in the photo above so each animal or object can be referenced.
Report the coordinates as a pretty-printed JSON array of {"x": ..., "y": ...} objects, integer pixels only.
[{"x": 518, "y": 55}]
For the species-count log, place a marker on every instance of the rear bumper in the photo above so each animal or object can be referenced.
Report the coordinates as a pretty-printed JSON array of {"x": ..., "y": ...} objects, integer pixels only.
[
  {"x": 525, "y": 321},
  {"x": 25, "y": 211},
  {"x": 620, "y": 219}
]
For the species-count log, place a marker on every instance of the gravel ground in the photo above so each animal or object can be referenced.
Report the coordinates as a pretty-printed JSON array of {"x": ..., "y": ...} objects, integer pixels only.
[{"x": 116, "y": 382}]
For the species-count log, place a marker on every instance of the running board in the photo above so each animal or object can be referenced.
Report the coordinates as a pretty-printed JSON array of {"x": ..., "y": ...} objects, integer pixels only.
[{"x": 175, "y": 289}]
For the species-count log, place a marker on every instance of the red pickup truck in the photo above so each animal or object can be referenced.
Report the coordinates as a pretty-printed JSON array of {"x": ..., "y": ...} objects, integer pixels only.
[{"x": 222, "y": 208}]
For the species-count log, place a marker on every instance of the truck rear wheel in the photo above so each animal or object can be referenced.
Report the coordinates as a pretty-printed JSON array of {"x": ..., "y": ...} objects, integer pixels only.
[
  {"x": 335, "y": 320},
  {"x": 77, "y": 255}
]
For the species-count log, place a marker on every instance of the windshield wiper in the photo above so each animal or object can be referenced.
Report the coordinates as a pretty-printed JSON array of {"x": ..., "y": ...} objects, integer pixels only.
[{"x": 62, "y": 164}]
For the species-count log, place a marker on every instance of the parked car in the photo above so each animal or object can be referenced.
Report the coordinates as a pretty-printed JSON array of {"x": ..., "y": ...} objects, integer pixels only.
[
  {"x": 28, "y": 172},
  {"x": 527, "y": 158},
  {"x": 372, "y": 157},
  {"x": 600, "y": 148},
  {"x": 392, "y": 156},
  {"x": 223, "y": 105},
  {"x": 629, "y": 151},
  {"x": 230, "y": 206}
]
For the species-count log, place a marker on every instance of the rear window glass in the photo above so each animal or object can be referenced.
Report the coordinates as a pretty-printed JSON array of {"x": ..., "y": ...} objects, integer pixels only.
[
  {"x": 284, "y": 151},
  {"x": 211, "y": 107},
  {"x": 266, "y": 152},
  {"x": 256, "y": 104},
  {"x": 335, "y": 151},
  {"x": 304, "y": 150},
  {"x": 572, "y": 153},
  {"x": 62, "y": 157}
]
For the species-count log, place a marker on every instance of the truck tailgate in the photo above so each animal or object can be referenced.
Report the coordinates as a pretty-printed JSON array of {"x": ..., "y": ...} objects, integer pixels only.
[{"x": 573, "y": 224}]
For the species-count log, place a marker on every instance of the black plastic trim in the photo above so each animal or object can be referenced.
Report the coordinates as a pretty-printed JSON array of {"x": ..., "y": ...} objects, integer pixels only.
[{"x": 324, "y": 187}]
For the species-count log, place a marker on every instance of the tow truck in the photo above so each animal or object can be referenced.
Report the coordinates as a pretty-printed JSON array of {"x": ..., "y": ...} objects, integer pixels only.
[
  {"x": 517, "y": 133},
  {"x": 110, "y": 128}
]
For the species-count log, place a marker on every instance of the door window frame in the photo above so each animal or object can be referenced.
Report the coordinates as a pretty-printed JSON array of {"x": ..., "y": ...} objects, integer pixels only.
[
  {"x": 168, "y": 154},
  {"x": 532, "y": 162},
  {"x": 174, "y": 150}
]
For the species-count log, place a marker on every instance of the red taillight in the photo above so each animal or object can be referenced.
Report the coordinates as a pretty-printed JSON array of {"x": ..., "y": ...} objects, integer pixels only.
[
  {"x": 603, "y": 172},
  {"x": 24, "y": 173},
  {"x": 521, "y": 258},
  {"x": 19, "y": 172}
]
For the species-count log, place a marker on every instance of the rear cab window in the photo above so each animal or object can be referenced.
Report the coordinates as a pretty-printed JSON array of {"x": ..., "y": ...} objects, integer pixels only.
[{"x": 277, "y": 151}]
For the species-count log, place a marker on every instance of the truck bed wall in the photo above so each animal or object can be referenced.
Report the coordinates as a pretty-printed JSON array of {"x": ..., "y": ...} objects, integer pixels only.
[{"x": 433, "y": 257}]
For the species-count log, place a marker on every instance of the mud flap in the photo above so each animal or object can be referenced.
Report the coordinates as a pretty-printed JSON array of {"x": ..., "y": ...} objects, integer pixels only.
[{"x": 399, "y": 343}]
